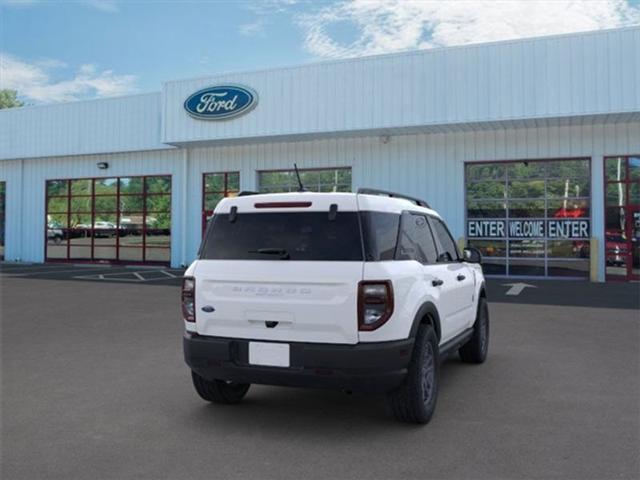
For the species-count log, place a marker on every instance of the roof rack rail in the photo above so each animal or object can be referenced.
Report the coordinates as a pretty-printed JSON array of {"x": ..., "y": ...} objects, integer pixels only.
[
  {"x": 246, "y": 193},
  {"x": 375, "y": 191}
]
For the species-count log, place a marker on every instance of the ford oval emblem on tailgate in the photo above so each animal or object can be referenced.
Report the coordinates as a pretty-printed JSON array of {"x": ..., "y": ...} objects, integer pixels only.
[{"x": 208, "y": 309}]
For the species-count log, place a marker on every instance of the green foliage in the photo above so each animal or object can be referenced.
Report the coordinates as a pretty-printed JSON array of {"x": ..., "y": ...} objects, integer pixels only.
[{"x": 9, "y": 99}]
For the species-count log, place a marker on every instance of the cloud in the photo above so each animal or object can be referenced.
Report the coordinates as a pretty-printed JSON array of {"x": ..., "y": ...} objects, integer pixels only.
[
  {"x": 266, "y": 7},
  {"x": 34, "y": 81},
  {"x": 388, "y": 26},
  {"x": 252, "y": 29}
]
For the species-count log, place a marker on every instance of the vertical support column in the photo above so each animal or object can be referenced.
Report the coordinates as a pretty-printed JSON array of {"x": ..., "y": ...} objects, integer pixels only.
[
  {"x": 597, "y": 219},
  {"x": 15, "y": 248},
  {"x": 248, "y": 176},
  {"x": 185, "y": 223}
]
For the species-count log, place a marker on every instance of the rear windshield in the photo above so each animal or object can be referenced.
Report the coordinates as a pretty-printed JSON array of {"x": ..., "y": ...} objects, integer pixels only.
[{"x": 284, "y": 236}]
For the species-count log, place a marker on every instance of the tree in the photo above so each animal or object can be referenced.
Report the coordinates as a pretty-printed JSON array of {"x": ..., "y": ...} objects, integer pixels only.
[{"x": 9, "y": 99}]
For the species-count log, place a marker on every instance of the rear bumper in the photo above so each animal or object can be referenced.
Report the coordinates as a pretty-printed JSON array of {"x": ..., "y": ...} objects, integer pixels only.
[{"x": 365, "y": 367}]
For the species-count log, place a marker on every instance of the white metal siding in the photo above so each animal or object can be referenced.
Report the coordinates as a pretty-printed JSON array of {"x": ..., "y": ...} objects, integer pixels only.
[
  {"x": 26, "y": 206},
  {"x": 97, "y": 126},
  {"x": 11, "y": 173},
  {"x": 430, "y": 166},
  {"x": 562, "y": 76}
]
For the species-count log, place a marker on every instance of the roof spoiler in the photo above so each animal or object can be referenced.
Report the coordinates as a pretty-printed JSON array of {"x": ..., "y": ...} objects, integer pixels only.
[{"x": 384, "y": 193}]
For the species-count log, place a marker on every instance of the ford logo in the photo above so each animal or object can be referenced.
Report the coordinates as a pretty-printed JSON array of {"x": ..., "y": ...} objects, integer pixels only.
[{"x": 221, "y": 102}]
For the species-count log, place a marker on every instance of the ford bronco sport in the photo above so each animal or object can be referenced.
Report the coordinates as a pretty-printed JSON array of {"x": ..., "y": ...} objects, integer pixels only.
[{"x": 357, "y": 292}]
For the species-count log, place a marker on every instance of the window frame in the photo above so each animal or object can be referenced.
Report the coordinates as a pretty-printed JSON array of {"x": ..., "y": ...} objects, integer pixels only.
[
  {"x": 504, "y": 261},
  {"x": 439, "y": 246},
  {"x": 226, "y": 192},
  {"x": 118, "y": 213},
  {"x": 403, "y": 215},
  {"x": 301, "y": 170},
  {"x": 627, "y": 207}
]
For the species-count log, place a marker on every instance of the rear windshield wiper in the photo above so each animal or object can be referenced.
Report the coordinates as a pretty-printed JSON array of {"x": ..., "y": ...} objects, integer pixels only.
[{"x": 284, "y": 255}]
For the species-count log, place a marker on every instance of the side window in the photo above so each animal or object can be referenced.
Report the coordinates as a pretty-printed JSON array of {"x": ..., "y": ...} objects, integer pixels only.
[
  {"x": 416, "y": 241},
  {"x": 380, "y": 235},
  {"x": 449, "y": 250}
]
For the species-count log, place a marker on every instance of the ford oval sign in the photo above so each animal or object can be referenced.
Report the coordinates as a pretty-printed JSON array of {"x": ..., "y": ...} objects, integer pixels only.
[{"x": 221, "y": 102}]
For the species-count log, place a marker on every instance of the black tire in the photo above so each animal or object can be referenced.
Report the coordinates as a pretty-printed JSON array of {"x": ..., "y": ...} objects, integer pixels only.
[
  {"x": 415, "y": 400},
  {"x": 475, "y": 350},
  {"x": 219, "y": 391}
]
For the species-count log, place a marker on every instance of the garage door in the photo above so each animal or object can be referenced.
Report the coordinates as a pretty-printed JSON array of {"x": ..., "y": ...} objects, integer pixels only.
[{"x": 120, "y": 219}]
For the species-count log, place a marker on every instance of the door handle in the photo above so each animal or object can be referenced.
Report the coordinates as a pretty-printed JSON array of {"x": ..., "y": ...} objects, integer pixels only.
[
  {"x": 437, "y": 282},
  {"x": 461, "y": 277}
]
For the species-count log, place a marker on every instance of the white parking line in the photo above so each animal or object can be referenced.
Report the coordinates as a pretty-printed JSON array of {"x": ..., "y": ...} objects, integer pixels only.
[
  {"x": 44, "y": 272},
  {"x": 135, "y": 277}
]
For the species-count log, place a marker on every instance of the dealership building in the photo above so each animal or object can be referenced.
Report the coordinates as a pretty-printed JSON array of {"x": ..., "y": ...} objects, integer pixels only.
[{"x": 529, "y": 149}]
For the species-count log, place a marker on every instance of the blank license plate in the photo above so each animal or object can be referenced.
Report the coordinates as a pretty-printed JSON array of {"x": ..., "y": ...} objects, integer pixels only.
[{"x": 269, "y": 354}]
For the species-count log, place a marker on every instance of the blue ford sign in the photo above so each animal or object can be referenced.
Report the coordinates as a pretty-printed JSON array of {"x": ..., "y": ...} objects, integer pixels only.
[{"x": 221, "y": 102}]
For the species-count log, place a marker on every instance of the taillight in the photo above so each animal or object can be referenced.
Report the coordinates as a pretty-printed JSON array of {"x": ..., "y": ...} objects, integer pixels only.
[
  {"x": 375, "y": 303},
  {"x": 189, "y": 299}
]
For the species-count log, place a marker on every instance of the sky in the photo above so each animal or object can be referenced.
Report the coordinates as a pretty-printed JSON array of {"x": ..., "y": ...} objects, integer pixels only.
[{"x": 57, "y": 51}]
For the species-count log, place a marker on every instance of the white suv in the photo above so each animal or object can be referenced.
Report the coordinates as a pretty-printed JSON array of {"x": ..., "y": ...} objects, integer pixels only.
[{"x": 358, "y": 292}]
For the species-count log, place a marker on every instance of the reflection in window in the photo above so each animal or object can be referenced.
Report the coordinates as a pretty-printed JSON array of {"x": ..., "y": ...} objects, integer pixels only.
[
  {"x": 568, "y": 208},
  {"x": 490, "y": 248},
  {"x": 523, "y": 193},
  {"x": 486, "y": 209},
  {"x": 527, "y": 189},
  {"x": 217, "y": 186},
  {"x": 109, "y": 219},
  {"x": 568, "y": 248},
  {"x": 527, "y": 209},
  {"x": 491, "y": 171},
  {"x": 569, "y": 188},
  {"x": 615, "y": 169},
  {"x": 616, "y": 193},
  {"x": 622, "y": 218},
  {"x": 634, "y": 168},
  {"x": 320, "y": 180},
  {"x": 486, "y": 190},
  {"x": 106, "y": 186},
  {"x": 527, "y": 248}
]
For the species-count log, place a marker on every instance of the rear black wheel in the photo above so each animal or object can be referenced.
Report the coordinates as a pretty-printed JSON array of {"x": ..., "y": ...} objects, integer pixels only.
[
  {"x": 219, "y": 391},
  {"x": 475, "y": 350},
  {"x": 415, "y": 400}
]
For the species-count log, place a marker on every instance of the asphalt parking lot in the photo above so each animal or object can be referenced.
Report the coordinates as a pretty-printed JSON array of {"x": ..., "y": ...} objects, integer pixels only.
[{"x": 94, "y": 386}]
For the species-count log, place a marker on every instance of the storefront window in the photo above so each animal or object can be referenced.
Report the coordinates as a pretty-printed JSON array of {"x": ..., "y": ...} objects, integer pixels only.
[
  {"x": 622, "y": 217},
  {"x": 215, "y": 187},
  {"x": 530, "y": 218},
  {"x": 314, "y": 180},
  {"x": 109, "y": 219}
]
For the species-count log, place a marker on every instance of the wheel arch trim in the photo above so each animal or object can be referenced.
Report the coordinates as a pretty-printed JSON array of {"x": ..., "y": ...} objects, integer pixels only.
[{"x": 427, "y": 309}]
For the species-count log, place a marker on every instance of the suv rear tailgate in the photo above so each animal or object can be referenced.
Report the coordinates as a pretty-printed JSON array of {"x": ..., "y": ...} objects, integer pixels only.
[
  {"x": 281, "y": 267},
  {"x": 278, "y": 300}
]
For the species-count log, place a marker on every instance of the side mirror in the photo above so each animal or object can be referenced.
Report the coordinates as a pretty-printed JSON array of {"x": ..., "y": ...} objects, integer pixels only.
[{"x": 472, "y": 255}]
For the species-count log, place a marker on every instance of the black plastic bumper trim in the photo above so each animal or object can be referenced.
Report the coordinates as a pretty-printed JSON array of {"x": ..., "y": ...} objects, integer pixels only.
[{"x": 379, "y": 366}]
